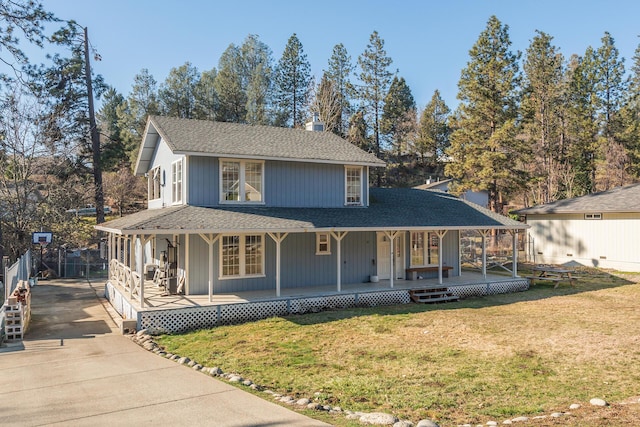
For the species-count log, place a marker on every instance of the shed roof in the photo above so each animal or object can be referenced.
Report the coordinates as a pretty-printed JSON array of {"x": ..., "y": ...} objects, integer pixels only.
[
  {"x": 206, "y": 137},
  {"x": 619, "y": 199},
  {"x": 389, "y": 209}
]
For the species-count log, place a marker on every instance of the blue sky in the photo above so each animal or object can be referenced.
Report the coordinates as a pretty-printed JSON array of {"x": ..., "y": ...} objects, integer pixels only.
[{"x": 428, "y": 40}]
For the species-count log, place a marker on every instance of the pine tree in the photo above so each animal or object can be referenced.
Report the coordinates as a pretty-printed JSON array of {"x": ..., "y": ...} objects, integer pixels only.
[
  {"x": 292, "y": 84},
  {"x": 433, "y": 133},
  {"x": 398, "y": 117},
  {"x": 375, "y": 78},
  {"x": 206, "y": 96},
  {"x": 358, "y": 132},
  {"x": 228, "y": 84},
  {"x": 113, "y": 148},
  {"x": 485, "y": 152},
  {"x": 629, "y": 133},
  {"x": 339, "y": 72},
  {"x": 257, "y": 79},
  {"x": 177, "y": 93},
  {"x": 613, "y": 161},
  {"x": 541, "y": 110}
]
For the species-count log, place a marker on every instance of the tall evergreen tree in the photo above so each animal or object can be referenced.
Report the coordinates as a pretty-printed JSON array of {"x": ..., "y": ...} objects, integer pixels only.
[
  {"x": 485, "y": 152},
  {"x": 375, "y": 79},
  {"x": 398, "y": 116},
  {"x": 206, "y": 96},
  {"x": 113, "y": 148},
  {"x": 433, "y": 133},
  {"x": 232, "y": 99},
  {"x": 339, "y": 72},
  {"x": 629, "y": 134},
  {"x": 292, "y": 84},
  {"x": 177, "y": 95},
  {"x": 257, "y": 79},
  {"x": 541, "y": 110},
  {"x": 141, "y": 102},
  {"x": 358, "y": 133},
  {"x": 613, "y": 160}
]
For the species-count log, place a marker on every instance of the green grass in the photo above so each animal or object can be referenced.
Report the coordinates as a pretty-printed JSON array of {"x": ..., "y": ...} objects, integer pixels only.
[{"x": 481, "y": 358}]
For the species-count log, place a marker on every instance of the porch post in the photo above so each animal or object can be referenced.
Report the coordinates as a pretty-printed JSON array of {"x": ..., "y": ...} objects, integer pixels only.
[
  {"x": 186, "y": 265},
  {"x": 440, "y": 234},
  {"x": 339, "y": 235},
  {"x": 141, "y": 270},
  {"x": 514, "y": 254},
  {"x": 484, "y": 252},
  {"x": 391, "y": 235},
  {"x": 132, "y": 262},
  {"x": 278, "y": 238},
  {"x": 210, "y": 240}
]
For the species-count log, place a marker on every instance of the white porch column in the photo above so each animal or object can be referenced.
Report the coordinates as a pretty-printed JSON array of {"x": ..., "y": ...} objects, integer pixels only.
[
  {"x": 132, "y": 262},
  {"x": 210, "y": 240},
  {"x": 339, "y": 235},
  {"x": 514, "y": 254},
  {"x": 141, "y": 270},
  {"x": 278, "y": 238},
  {"x": 186, "y": 265},
  {"x": 440, "y": 234},
  {"x": 391, "y": 235},
  {"x": 484, "y": 233}
]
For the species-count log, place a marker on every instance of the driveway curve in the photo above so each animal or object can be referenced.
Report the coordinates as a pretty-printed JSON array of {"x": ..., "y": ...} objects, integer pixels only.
[{"x": 74, "y": 368}]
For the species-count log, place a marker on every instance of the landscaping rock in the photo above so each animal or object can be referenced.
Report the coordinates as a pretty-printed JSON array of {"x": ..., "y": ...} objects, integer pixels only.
[
  {"x": 574, "y": 406},
  {"x": 492, "y": 423},
  {"x": 520, "y": 419},
  {"x": 598, "y": 402},
  {"x": 507, "y": 422},
  {"x": 556, "y": 415},
  {"x": 235, "y": 379},
  {"x": 403, "y": 423},
  {"x": 303, "y": 402},
  {"x": 426, "y": 423},
  {"x": 314, "y": 406},
  {"x": 380, "y": 419},
  {"x": 183, "y": 360}
]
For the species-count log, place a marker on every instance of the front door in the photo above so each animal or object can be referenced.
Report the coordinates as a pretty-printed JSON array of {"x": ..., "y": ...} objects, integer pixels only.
[{"x": 383, "y": 261}]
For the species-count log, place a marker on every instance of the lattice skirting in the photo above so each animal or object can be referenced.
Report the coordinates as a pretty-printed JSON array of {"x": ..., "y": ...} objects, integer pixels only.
[{"x": 192, "y": 318}]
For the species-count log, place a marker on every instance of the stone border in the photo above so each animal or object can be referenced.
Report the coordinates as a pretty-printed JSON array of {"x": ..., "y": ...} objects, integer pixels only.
[{"x": 144, "y": 338}]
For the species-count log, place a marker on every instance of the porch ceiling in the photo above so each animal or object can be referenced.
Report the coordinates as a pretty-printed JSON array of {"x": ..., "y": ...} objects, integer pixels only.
[{"x": 399, "y": 208}]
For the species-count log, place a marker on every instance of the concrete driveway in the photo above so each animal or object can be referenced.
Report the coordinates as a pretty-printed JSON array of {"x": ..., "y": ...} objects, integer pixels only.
[{"x": 74, "y": 368}]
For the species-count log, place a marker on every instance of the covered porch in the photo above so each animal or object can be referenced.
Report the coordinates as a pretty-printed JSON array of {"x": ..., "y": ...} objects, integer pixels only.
[{"x": 177, "y": 313}]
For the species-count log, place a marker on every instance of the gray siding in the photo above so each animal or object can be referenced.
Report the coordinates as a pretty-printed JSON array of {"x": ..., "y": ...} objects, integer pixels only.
[
  {"x": 301, "y": 267},
  {"x": 163, "y": 157},
  {"x": 292, "y": 184},
  {"x": 287, "y": 184},
  {"x": 204, "y": 187}
]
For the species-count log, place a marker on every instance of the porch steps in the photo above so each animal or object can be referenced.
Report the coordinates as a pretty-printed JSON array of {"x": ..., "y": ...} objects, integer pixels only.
[{"x": 431, "y": 295}]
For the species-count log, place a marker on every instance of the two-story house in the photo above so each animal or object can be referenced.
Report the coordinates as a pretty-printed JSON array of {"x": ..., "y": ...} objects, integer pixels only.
[{"x": 236, "y": 208}]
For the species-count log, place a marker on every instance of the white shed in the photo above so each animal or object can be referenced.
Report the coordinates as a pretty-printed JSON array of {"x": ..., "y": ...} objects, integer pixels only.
[{"x": 598, "y": 230}]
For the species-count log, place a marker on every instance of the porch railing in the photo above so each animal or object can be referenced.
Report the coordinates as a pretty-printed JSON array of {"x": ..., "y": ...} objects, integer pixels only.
[{"x": 130, "y": 280}]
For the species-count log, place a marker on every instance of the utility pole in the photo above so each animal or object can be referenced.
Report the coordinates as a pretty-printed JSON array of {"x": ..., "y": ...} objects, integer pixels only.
[{"x": 95, "y": 136}]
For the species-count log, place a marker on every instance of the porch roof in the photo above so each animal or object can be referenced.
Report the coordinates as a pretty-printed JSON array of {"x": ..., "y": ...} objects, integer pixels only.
[{"x": 389, "y": 209}]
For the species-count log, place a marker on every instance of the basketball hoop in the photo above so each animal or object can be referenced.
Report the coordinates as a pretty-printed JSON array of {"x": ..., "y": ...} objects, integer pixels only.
[{"x": 42, "y": 238}]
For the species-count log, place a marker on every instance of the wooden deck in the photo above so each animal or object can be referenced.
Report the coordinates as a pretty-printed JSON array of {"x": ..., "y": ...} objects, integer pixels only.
[{"x": 154, "y": 298}]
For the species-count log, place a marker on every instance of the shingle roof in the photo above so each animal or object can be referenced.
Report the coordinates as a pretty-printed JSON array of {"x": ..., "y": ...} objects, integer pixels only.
[
  {"x": 389, "y": 209},
  {"x": 619, "y": 199},
  {"x": 207, "y": 137}
]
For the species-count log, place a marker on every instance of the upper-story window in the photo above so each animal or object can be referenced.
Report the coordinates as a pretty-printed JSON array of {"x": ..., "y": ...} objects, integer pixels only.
[
  {"x": 241, "y": 181},
  {"x": 353, "y": 185},
  {"x": 176, "y": 182},
  {"x": 154, "y": 183}
]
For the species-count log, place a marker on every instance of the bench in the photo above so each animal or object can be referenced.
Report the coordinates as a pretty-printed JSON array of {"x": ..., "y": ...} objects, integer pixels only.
[{"x": 412, "y": 273}]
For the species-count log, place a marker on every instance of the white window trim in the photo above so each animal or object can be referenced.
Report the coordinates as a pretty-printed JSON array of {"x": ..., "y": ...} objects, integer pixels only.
[
  {"x": 318, "y": 251},
  {"x": 242, "y": 175},
  {"x": 346, "y": 186},
  {"x": 242, "y": 258},
  {"x": 425, "y": 249},
  {"x": 175, "y": 185},
  {"x": 150, "y": 183}
]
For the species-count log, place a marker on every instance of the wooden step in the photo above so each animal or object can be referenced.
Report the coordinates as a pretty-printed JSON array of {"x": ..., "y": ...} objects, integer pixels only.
[{"x": 431, "y": 295}]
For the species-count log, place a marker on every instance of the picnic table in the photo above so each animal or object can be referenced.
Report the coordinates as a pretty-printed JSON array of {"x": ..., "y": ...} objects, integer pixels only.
[{"x": 553, "y": 274}]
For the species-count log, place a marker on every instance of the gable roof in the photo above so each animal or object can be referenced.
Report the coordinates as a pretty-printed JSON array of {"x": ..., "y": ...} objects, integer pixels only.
[
  {"x": 434, "y": 184},
  {"x": 209, "y": 138},
  {"x": 390, "y": 208},
  {"x": 619, "y": 199}
]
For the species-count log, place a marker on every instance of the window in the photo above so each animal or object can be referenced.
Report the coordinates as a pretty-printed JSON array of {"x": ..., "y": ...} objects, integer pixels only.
[
  {"x": 323, "y": 244},
  {"x": 424, "y": 248},
  {"x": 241, "y": 181},
  {"x": 353, "y": 185},
  {"x": 176, "y": 182},
  {"x": 242, "y": 256},
  {"x": 593, "y": 216},
  {"x": 154, "y": 183}
]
